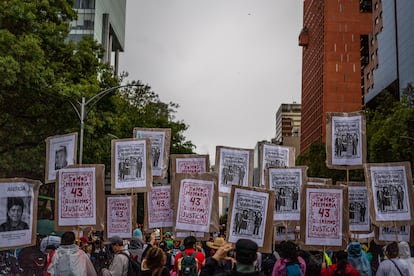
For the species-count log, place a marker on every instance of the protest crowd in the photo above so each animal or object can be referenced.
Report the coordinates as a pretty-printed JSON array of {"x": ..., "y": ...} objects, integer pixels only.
[{"x": 166, "y": 255}]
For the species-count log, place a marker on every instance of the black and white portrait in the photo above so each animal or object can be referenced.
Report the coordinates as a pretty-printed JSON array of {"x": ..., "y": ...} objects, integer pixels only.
[
  {"x": 275, "y": 156},
  {"x": 359, "y": 219}
]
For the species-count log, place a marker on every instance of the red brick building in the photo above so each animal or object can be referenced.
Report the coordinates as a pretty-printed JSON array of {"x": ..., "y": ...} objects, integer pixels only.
[{"x": 333, "y": 37}]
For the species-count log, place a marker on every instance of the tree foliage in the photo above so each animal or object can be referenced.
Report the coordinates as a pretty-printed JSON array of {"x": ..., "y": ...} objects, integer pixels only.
[{"x": 42, "y": 73}]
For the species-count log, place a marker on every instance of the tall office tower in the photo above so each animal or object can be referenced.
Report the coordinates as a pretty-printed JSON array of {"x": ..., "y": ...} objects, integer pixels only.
[
  {"x": 288, "y": 118},
  {"x": 332, "y": 64},
  {"x": 391, "y": 49},
  {"x": 104, "y": 21}
]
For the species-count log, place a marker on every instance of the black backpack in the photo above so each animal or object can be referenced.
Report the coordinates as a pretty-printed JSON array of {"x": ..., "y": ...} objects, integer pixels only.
[
  {"x": 134, "y": 267},
  {"x": 188, "y": 264},
  {"x": 268, "y": 262}
]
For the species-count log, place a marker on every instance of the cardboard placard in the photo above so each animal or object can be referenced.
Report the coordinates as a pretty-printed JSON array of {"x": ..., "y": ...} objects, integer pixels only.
[
  {"x": 61, "y": 151},
  {"x": 386, "y": 234},
  {"x": 158, "y": 207},
  {"x": 272, "y": 155},
  {"x": 345, "y": 140},
  {"x": 319, "y": 181},
  {"x": 160, "y": 148},
  {"x": 131, "y": 166},
  {"x": 18, "y": 213},
  {"x": 79, "y": 191},
  {"x": 120, "y": 216},
  {"x": 250, "y": 216},
  {"x": 234, "y": 167}
]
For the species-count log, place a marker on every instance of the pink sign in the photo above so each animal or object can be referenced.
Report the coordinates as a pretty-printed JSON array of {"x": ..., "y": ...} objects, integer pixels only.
[
  {"x": 194, "y": 206},
  {"x": 160, "y": 213},
  {"x": 191, "y": 166},
  {"x": 119, "y": 216}
]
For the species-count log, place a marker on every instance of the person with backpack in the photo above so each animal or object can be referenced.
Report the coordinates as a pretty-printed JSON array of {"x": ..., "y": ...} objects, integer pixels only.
[
  {"x": 289, "y": 263},
  {"x": 121, "y": 264},
  {"x": 393, "y": 265},
  {"x": 189, "y": 260},
  {"x": 154, "y": 263},
  {"x": 340, "y": 267}
]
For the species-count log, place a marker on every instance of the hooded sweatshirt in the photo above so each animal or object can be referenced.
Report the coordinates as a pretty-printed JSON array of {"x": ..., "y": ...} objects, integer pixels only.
[
  {"x": 405, "y": 254},
  {"x": 69, "y": 260},
  {"x": 136, "y": 247},
  {"x": 358, "y": 259}
]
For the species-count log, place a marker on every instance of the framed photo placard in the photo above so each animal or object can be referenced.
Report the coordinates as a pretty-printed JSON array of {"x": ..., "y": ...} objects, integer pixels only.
[
  {"x": 160, "y": 213},
  {"x": 386, "y": 234},
  {"x": 391, "y": 191},
  {"x": 272, "y": 155},
  {"x": 119, "y": 216},
  {"x": 131, "y": 166},
  {"x": 325, "y": 221},
  {"x": 60, "y": 152},
  {"x": 286, "y": 183},
  {"x": 250, "y": 216},
  {"x": 18, "y": 214},
  {"x": 196, "y": 203},
  {"x": 160, "y": 148},
  {"x": 79, "y": 192},
  {"x": 345, "y": 140},
  {"x": 234, "y": 167}
]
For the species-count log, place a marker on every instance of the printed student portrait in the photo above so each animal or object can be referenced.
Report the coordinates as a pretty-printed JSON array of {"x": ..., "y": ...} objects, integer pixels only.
[
  {"x": 195, "y": 205},
  {"x": 249, "y": 213},
  {"x": 326, "y": 221},
  {"x": 80, "y": 189},
  {"x": 390, "y": 191},
  {"x": 159, "y": 211},
  {"x": 235, "y": 167},
  {"x": 60, "y": 152},
  {"x": 287, "y": 185},
  {"x": 18, "y": 215},
  {"x": 131, "y": 166},
  {"x": 388, "y": 234},
  {"x": 160, "y": 148},
  {"x": 119, "y": 216},
  {"x": 359, "y": 219},
  {"x": 281, "y": 235},
  {"x": 345, "y": 140},
  {"x": 275, "y": 156}
]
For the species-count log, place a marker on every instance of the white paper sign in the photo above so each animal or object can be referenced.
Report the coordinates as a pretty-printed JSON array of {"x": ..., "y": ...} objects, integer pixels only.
[
  {"x": 160, "y": 213},
  {"x": 119, "y": 216}
]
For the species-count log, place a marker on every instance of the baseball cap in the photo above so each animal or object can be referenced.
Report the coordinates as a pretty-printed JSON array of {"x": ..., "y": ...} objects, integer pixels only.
[
  {"x": 116, "y": 240},
  {"x": 246, "y": 251}
]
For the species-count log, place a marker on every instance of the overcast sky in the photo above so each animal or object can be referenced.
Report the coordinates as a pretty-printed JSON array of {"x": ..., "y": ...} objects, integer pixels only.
[{"x": 229, "y": 64}]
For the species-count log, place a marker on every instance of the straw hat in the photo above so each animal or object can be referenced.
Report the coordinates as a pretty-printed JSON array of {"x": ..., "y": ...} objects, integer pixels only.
[{"x": 216, "y": 243}]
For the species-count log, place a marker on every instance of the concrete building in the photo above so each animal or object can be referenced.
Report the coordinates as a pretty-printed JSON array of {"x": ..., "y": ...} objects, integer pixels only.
[
  {"x": 332, "y": 65},
  {"x": 391, "y": 49},
  {"x": 104, "y": 21},
  {"x": 288, "y": 118}
]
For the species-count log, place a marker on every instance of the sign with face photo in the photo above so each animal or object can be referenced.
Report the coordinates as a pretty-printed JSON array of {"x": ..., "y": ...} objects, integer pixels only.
[
  {"x": 60, "y": 152},
  {"x": 272, "y": 155},
  {"x": 18, "y": 214}
]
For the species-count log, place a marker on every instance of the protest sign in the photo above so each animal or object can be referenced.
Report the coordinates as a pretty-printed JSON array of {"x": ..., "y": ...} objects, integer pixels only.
[
  {"x": 385, "y": 234},
  {"x": 319, "y": 181},
  {"x": 287, "y": 186},
  {"x": 18, "y": 214},
  {"x": 250, "y": 216},
  {"x": 159, "y": 211},
  {"x": 234, "y": 167},
  {"x": 272, "y": 155},
  {"x": 160, "y": 148},
  {"x": 61, "y": 151},
  {"x": 325, "y": 221},
  {"x": 80, "y": 189},
  {"x": 196, "y": 206},
  {"x": 345, "y": 140},
  {"x": 131, "y": 166},
  {"x": 119, "y": 216},
  {"x": 390, "y": 191}
]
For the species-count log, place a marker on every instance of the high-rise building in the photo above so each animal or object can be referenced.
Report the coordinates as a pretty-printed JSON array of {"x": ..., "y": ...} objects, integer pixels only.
[
  {"x": 288, "y": 118},
  {"x": 332, "y": 36},
  {"x": 104, "y": 21},
  {"x": 391, "y": 49}
]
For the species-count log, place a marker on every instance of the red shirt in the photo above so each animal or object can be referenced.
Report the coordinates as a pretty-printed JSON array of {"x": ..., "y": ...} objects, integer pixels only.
[
  {"x": 189, "y": 251},
  {"x": 349, "y": 270}
]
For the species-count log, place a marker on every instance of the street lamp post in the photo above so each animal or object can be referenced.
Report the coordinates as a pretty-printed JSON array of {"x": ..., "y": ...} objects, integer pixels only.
[{"x": 82, "y": 113}]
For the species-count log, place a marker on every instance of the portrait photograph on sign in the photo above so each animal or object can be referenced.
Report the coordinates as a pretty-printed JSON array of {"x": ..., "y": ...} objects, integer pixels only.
[
  {"x": 61, "y": 151},
  {"x": 196, "y": 206},
  {"x": 119, "y": 216},
  {"x": 250, "y": 216},
  {"x": 345, "y": 140},
  {"x": 159, "y": 211},
  {"x": 131, "y": 166},
  {"x": 272, "y": 155},
  {"x": 390, "y": 190},
  {"x": 18, "y": 212},
  {"x": 286, "y": 184},
  {"x": 160, "y": 148},
  {"x": 234, "y": 167},
  {"x": 281, "y": 235},
  {"x": 79, "y": 190},
  {"x": 359, "y": 220},
  {"x": 387, "y": 234},
  {"x": 325, "y": 220}
]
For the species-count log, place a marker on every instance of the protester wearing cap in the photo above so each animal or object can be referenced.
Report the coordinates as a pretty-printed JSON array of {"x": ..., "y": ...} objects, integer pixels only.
[
  {"x": 245, "y": 256},
  {"x": 189, "y": 248},
  {"x": 119, "y": 264}
]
